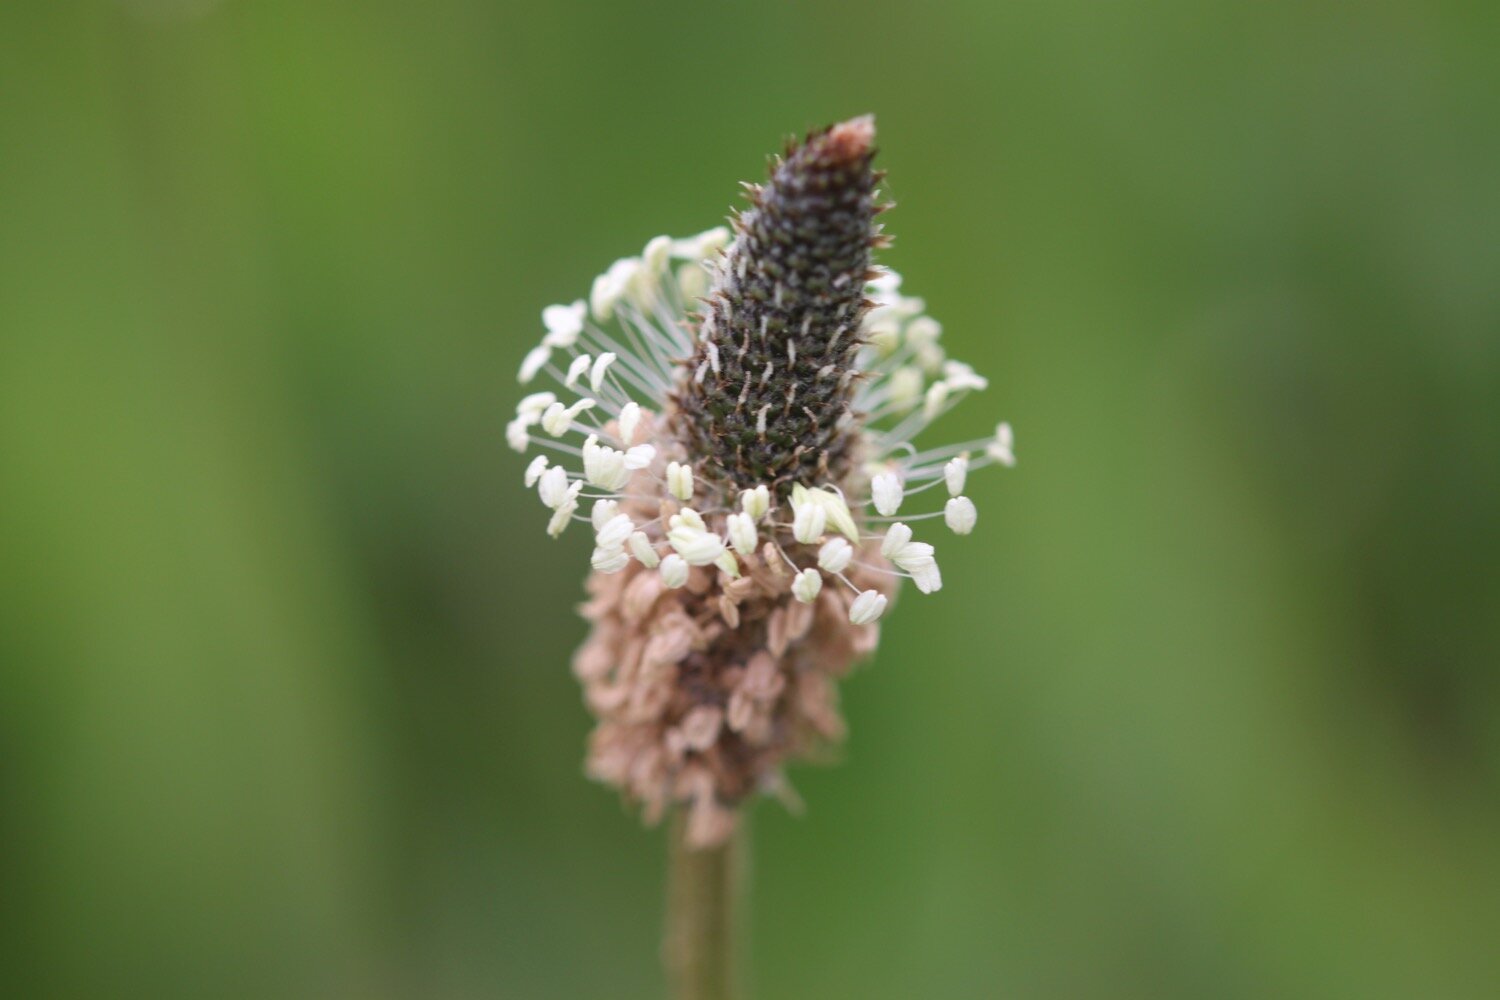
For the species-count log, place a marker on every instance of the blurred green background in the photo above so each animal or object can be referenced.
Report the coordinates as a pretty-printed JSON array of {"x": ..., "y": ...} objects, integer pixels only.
[{"x": 1209, "y": 707}]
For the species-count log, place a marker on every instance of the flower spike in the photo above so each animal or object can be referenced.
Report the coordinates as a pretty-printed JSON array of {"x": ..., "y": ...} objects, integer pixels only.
[{"x": 739, "y": 409}]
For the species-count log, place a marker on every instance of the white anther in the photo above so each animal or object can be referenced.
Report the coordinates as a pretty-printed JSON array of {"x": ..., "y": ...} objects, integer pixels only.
[
  {"x": 640, "y": 547},
  {"x": 687, "y": 534},
  {"x": 630, "y": 416},
  {"x": 517, "y": 433},
  {"x": 1003, "y": 448},
  {"x": 835, "y": 555},
  {"x": 923, "y": 330},
  {"x": 609, "y": 560},
  {"x": 674, "y": 572},
  {"x": 552, "y": 486},
  {"x": 896, "y": 537},
  {"x": 806, "y": 585},
  {"x": 601, "y": 365},
  {"x": 905, "y": 387},
  {"x": 692, "y": 281},
  {"x": 888, "y": 492},
  {"x": 915, "y": 558},
  {"x": 700, "y": 246},
  {"x": 558, "y": 418},
  {"x": 729, "y": 564},
  {"x": 742, "y": 533},
  {"x": 563, "y": 515},
  {"x": 960, "y": 515},
  {"x": 602, "y": 512},
  {"x": 808, "y": 523},
  {"x": 937, "y": 395},
  {"x": 867, "y": 607},
  {"x": 576, "y": 369},
  {"x": 563, "y": 323},
  {"x": 835, "y": 510},
  {"x": 611, "y": 286},
  {"x": 535, "y": 360},
  {"x": 756, "y": 502},
  {"x": 960, "y": 377},
  {"x": 602, "y": 466},
  {"x": 615, "y": 532},
  {"x": 680, "y": 480},
  {"x": 956, "y": 473},
  {"x": 535, "y": 404},
  {"x": 654, "y": 257},
  {"x": 639, "y": 457}
]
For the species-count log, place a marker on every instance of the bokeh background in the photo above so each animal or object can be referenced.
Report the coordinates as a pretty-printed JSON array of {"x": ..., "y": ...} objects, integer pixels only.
[{"x": 1208, "y": 708}]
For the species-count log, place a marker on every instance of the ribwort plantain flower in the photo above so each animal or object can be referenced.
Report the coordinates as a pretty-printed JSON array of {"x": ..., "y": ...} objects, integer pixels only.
[{"x": 733, "y": 417}]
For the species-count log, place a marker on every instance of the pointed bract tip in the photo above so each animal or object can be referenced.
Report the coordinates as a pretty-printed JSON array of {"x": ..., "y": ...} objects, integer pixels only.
[{"x": 854, "y": 137}]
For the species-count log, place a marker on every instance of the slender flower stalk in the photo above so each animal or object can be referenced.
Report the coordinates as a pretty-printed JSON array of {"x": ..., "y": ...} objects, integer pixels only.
[
  {"x": 734, "y": 415},
  {"x": 704, "y": 897}
]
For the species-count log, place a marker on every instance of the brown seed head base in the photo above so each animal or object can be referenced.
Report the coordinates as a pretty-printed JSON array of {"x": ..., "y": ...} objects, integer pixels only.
[{"x": 704, "y": 692}]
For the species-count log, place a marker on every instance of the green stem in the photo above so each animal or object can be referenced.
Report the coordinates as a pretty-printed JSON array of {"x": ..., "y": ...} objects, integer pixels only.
[{"x": 703, "y": 890}]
